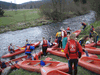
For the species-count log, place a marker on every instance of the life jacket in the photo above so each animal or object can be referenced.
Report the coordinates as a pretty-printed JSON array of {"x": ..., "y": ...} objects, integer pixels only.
[
  {"x": 0, "y": 63},
  {"x": 84, "y": 24},
  {"x": 45, "y": 43},
  {"x": 9, "y": 49},
  {"x": 56, "y": 40},
  {"x": 28, "y": 49},
  {"x": 73, "y": 49},
  {"x": 68, "y": 28},
  {"x": 27, "y": 43},
  {"x": 94, "y": 34},
  {"x": 65, "y": 33},
  {"x": 59, "y": 34},
  {"x": 82, "y": 42},
  {"x": 92, "y": 29}
]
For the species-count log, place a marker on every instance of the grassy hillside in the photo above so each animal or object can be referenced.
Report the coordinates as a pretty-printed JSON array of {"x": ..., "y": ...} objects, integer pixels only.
[
  {"x": 13, "y": 17},
  {"x": 20, "y": 19},
  {"x": 87, "y": 29}
]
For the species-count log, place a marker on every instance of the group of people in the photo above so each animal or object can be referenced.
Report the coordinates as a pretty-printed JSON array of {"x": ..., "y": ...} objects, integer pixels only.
[
  {"x": 61, "y": 36},
  {"x": 72, "y": 48},
  {"x": 93, "y": 35}
]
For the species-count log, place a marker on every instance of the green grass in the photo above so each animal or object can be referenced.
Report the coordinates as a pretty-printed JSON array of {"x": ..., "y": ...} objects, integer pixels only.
[
  {"x": 13, "y": 17},
  {"x": 21, "y": 19},
  {"x": 23, "y": 72}
]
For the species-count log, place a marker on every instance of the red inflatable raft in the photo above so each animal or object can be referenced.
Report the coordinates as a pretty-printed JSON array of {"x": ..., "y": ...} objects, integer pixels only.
[
  {"x": 77, "y": 32},
  {"x": 50, "y": 71},
  {"x": 35, "y": 65},
  {"x": 60, "y": 52},
  {"x": 19, "y": 51},
  {"x": 93, "y": 50},
  {"x": 91, "y": 64}
]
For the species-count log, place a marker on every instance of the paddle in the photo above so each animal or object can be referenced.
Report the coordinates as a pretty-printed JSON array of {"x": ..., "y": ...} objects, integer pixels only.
[{"x": 20, "y": 48}]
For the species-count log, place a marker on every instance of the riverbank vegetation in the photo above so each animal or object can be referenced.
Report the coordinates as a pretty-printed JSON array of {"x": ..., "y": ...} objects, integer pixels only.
[
  {"x": 63, "y": 9},
  {"x": 52, "y": 11}
]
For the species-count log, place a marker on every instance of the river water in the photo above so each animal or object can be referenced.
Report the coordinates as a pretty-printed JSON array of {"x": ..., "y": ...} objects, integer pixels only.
[{"x": 35, "y": 34}]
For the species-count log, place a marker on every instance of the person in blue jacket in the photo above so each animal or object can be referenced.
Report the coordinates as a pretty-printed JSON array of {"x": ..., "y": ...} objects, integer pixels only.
[{"x": 28, "y": 50}]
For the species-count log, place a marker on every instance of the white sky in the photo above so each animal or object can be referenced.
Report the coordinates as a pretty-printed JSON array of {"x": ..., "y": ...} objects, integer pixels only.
[{"x": 18, "y": 1}]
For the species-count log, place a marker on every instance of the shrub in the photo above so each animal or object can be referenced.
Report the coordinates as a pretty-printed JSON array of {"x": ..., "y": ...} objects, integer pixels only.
[{"x": 1, "y": 12}]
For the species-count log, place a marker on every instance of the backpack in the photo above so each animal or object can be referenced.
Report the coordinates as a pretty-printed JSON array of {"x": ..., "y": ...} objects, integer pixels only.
[
  {"x": 73, "y": 50},
  {"x": 42, "y": 63},
  {"x": 3, "y": 65}
]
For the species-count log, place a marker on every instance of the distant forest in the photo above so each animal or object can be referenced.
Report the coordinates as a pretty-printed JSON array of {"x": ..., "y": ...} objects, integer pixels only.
[{"x": 27, "y": 5}]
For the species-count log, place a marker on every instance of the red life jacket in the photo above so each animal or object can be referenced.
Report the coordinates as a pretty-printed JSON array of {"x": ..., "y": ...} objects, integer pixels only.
[
  {"x": 83, "y": 24},
  {"x": 73, "y": 49},
  {"x": 0, "y": 63},
  {"x": 65, "y": 33},
  {"x": 9, "y": 48},
  {"x": 45, "y": 43},
  {"x": 28, "y": 49},
  {"x": 56, "y": 40},
  {"x": 68, "y": 28}
]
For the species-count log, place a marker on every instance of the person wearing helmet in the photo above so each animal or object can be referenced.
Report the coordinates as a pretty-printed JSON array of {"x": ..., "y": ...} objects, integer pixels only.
[{"x": 73, "y": 51}]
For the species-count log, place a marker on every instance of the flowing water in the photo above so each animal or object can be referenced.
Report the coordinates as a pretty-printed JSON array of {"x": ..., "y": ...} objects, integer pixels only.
[{"x": 35, "y": 34}]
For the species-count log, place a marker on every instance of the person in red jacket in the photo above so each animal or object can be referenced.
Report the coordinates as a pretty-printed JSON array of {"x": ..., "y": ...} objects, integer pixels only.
[{"x": 73, "y": 51}]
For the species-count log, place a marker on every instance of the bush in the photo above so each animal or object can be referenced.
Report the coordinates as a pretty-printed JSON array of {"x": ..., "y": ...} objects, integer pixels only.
[{"x": 1, "y": 12}]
